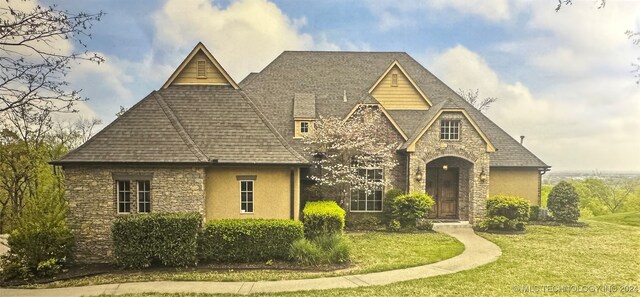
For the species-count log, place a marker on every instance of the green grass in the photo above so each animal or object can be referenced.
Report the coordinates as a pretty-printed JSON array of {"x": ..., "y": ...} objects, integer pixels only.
[
  {"x": 623, "y": 218},
  {"x": 601, "y": 254},
  {"x": 370, "y": 252}
]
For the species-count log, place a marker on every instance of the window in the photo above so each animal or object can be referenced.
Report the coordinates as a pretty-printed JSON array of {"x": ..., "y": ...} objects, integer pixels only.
[
  {"x": 246, "y": 196},
  {"x": 124, "y": 196},
  {"x": 449, "y": 130},
  {"x": 368, "y": 200},
  {"x": 144, "y": 196},
  {"x": 394, "y": 80},
  {"x": 304, "y": 127},
  {"x": 202, "y": 69}
]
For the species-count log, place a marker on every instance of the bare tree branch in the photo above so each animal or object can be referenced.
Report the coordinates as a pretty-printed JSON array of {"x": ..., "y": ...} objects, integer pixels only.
[{"x": 472, "y": 97}]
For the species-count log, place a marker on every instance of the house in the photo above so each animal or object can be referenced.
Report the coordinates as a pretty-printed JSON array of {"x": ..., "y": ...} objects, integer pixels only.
[{"x": 207, "y": 144}]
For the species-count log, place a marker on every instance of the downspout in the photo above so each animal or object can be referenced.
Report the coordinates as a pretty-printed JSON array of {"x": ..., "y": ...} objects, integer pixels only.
[
  {"x": 407, "y": 189},
  {"x": 541, "y": 172},
  {"x": 292, "y": 190}
]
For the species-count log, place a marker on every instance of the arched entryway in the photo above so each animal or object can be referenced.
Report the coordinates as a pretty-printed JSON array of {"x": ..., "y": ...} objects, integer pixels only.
[{"x": 448, "y": 182}]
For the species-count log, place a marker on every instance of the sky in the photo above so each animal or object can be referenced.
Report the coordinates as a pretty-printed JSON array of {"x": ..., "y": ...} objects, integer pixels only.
[{"x": 562, "y": 79}]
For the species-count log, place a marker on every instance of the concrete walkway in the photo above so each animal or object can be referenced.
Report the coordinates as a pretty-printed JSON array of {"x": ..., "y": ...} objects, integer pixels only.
[{"x": 478, "y": 251}]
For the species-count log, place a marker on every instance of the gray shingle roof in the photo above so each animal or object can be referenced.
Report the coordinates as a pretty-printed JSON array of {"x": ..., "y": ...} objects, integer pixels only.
[
  {"x": 189, "y": 124},
  {"x": 329, "y": 75},
  {"x": 304, "y": 105}
]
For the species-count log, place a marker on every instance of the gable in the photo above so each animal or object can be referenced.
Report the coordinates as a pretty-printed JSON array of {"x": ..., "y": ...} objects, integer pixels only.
[
  {"x": 395, "y": 90},
  {"x": 200, "y": 68}
]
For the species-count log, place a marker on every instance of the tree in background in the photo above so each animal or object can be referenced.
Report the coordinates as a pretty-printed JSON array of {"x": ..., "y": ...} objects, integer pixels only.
[
  {"x": 343, "y": 148},
  {"x": 33, "y": 59},
  {"x": 611, "y": 194},
  {"x": 481, "y": 104}
]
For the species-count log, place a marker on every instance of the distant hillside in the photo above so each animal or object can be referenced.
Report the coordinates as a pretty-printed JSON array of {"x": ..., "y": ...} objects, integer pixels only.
[{"x": 553, "y": 177}]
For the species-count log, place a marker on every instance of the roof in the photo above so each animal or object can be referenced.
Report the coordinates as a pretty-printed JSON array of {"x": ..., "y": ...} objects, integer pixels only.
[
  {"x": 304, "y": 105},
  {"x": 340, "y": 80},
  {"x": 189, "y": 124}
]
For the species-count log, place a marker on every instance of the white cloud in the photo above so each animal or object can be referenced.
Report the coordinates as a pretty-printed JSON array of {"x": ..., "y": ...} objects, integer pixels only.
[
  {"x": 405, "y": 13},
  {"x": 585, "y": 124},
  {"x": 244, "y": 37}
]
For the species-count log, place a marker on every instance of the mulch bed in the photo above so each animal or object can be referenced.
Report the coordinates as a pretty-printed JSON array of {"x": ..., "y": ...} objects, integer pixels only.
[{"x": 85, "y": 270}]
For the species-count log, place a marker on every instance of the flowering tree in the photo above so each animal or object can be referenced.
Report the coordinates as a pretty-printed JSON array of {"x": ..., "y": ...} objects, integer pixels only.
[{"x": 342, "y": 148}]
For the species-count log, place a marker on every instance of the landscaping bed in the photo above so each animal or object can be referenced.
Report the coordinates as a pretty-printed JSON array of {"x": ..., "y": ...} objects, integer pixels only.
[{"x": 371, "y": 252}]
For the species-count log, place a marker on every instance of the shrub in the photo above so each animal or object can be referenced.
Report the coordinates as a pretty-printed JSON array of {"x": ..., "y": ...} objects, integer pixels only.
[
  {"x": 141, "y": 240},
  {"x": 505, "y": 212},
  {"x": 394, "y": 226},
  {"x": 425, "y": 225},
  {"x": 322, "y": 218},
  {"x": 324, "y": 249},
  {"x": 563, "y": 203},
  {"x": 389, "y": 197},
  {"x": 407, "y": 209},
  {"x": 36, "y": 252},
  {"x": 249, "y": 240},
  {"x": 363, "y": 221},
  {"x": 534, "y": 213}
]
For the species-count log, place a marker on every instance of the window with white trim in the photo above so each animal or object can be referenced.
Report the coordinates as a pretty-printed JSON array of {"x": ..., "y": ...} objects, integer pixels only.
[
  {"x": 124, "y": 196},
  {"x": 370, "y": 199},
  {"x": 450, "y": 130},
  {"x": 144, "y": 196},
  {"x": 304, "y": 127},
  {"x": 246, "y": 196}
]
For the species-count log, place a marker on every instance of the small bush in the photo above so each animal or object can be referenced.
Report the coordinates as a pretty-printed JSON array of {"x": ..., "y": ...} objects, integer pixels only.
[
  {"x": 424, "y": 225},
  {"x": 142, "y": 240},
  {"x": 505, "y": 212},
  {"x": 324, "y": 249},
  {"x": 37, "y": 252},
  {"x": 394, "y": 226},
  {"x": 248, "y": 240},
  {"x": 389, "y": 197},
  {"x": 534, "y": 213},
  {"x": 322, "y": 218},
  {"x": 408, "y": 209},
  {"x": 563, "y": 203},
  {"x": 363, "y": 221}
]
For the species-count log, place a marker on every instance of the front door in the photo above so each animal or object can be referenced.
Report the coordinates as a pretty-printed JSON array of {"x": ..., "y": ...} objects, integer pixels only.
[{"x": 442, "y": 186}]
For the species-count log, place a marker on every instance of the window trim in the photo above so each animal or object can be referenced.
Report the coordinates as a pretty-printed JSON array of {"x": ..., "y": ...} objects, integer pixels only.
[
  {"x": 394, "y": 79},
  {"x": 366, "y": 196},
  {"x": 449, "y": 132},
  {"x": 304, "y": 125},
  {"x": 148, "y": 192},
  {"x": 118, "y": 191},
  {"x": 252, "y": 181}
]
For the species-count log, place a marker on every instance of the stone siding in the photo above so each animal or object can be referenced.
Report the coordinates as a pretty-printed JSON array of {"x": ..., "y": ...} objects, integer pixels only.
[
  {"x": 91, "y": 192},
  {"x": 471, "y": 147}
]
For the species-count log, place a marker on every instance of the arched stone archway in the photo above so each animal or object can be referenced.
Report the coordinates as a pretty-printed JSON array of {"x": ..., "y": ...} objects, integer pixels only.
[{"x": 448, "y": 180}]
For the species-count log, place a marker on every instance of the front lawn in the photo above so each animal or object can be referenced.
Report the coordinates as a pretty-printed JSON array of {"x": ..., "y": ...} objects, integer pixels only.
[
  {"x": 559, "y": 257},
  {"x": 371, "y": 252},
  {"x": 623, "y": 218}
]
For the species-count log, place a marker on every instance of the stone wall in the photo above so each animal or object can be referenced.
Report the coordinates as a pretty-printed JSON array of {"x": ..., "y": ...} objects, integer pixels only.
[
  {"x": 471, "y": 147},
  {"x": 91, "y": 192}
]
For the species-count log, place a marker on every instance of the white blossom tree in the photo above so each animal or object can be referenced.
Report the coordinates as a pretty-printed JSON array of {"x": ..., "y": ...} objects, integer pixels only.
[{"x": 342, "y": 148}]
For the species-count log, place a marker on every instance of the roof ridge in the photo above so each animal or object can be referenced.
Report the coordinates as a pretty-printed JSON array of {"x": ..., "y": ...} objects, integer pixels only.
[
  {"x": 175, "y": 122},
  {"x": 273, "y": 130}
]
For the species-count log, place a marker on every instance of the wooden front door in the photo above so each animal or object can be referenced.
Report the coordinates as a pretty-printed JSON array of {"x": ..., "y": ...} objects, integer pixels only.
[{"x": 442, "y": 186}]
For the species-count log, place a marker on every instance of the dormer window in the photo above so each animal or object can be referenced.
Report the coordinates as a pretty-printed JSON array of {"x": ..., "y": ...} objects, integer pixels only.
[
  {"x": 394, "y": 80},
  {"x": 304, "y": 127},
  {"x": 201, "y": 69}
]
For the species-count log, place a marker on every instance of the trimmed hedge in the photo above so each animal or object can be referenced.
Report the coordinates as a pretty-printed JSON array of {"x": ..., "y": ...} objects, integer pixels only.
[
  {"x": 248, "y": 240},
  {"x": 322, "y": 218},
  {"x": 141, "y": 240},
  {"x": 505, "y": 212}
]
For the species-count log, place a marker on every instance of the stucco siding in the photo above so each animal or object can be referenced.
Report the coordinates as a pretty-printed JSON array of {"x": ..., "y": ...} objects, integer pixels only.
[
  {"x": 521, "y": 182},
  {"x": 271, "y": 198}
]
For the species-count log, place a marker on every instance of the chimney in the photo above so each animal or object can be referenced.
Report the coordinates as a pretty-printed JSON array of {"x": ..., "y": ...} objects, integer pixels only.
[{"x": 521, "y": 139}]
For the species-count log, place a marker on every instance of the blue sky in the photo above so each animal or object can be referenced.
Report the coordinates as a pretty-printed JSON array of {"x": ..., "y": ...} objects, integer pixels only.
[{"x": 562, "y": 79}]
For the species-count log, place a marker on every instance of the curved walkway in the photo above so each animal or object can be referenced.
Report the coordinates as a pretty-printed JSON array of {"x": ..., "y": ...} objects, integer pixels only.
[{"x": 478, "y": 251}]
